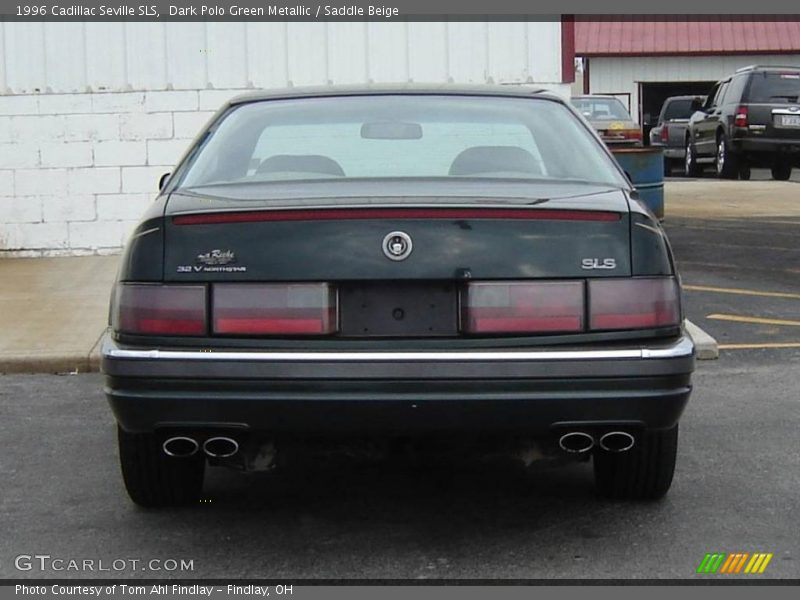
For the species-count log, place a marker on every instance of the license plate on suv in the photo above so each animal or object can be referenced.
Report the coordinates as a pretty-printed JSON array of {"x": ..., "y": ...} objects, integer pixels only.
[{"x": 787, "y": 120}]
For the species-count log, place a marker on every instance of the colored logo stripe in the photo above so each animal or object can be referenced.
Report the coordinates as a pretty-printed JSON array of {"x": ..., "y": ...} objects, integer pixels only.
[
  {"x": 723, "y": 563},
  {"x": 758, "y": 563},
  {"x": 710, "y": 563}
]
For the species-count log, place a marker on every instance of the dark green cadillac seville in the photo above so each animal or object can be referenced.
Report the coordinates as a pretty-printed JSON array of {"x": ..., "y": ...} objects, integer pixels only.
[{"x": 396, "y": 263}]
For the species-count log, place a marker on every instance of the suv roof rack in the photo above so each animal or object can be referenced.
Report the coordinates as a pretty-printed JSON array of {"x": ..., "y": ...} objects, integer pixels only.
[{"x": 754, "y": 67}]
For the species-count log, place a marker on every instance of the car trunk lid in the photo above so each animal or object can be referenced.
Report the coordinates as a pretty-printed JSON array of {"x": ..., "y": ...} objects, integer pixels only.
[{"x": 560, "y": 231}]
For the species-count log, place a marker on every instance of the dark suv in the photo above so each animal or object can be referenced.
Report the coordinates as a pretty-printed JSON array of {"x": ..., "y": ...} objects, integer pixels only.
[{"x": 751, "y": 118}]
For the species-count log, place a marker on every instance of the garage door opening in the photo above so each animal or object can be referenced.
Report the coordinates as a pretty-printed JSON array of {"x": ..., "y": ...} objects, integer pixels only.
[{"x": 653, "y": 94}]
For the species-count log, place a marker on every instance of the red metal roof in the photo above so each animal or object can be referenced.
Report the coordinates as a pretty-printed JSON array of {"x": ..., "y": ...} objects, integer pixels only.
[{"x": 621, "y": 35}]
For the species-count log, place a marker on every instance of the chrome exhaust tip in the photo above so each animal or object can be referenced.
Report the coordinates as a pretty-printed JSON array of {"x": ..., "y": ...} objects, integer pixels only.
[
  {"x": 617, "y": 441},
  {"x": 180, "y": 446},
  {"x": 576, "y": 442},
  {"x": 220, "y": 447}
]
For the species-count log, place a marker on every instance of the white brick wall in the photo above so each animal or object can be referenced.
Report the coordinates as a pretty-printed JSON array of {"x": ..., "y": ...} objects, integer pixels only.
[{"x": 78, "y": 170}]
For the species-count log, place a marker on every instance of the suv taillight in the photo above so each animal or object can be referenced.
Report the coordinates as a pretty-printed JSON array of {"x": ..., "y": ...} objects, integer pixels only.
[
  {"x": 154, "y": 309},
  {"x": 740, "y": 117},
  {"x": 664, "y": 133},
  {"x": 274, "y": 309},
  {"x": 633, "y": 303}
]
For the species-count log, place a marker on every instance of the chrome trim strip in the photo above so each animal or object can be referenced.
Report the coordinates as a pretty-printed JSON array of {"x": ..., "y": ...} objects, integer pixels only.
[
  {"x": 682, "y": 348},
  {"x": 146, "y": 232}
]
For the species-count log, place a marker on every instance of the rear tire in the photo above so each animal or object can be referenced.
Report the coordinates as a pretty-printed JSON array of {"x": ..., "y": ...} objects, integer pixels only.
[
  {"x": 744, "y": 171},
  {"x": 725, "y": 160},
  {"x": 781, "y": 171},
  {"x": 690, "y": 166},
  {"x": 642, "y": 473},
  {"x": 154, "y": 479}
]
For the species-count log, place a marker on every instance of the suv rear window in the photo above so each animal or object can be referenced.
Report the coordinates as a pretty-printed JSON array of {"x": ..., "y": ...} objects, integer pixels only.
[{"x": 774, "y": 87}]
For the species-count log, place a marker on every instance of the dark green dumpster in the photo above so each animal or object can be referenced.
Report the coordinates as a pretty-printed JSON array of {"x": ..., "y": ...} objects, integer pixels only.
[{"x": 645, "y": 167}]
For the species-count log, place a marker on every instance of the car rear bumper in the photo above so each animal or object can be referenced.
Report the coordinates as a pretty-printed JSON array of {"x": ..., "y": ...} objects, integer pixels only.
[
  {"x": 674, "y": 152},
  {"x": 769, "y": 145},
  {"x": 669, "y": 151},
  {"x": 530, "y": 390}
]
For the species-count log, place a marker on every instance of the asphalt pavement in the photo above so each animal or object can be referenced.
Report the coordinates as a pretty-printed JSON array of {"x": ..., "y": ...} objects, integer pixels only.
[{"x": 736, "y": 489}]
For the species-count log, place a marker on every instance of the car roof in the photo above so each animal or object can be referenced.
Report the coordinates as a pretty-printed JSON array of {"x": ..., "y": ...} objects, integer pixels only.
[
  {"x": 393, "y": 89},
  {"x": 594, "y": 97},
  {"x": 767, "y": 68},
  {"x": 685, "y": 97}
]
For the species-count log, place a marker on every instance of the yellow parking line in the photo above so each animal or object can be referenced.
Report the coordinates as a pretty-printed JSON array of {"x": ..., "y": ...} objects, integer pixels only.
[
  {"x": 757, "y": 320},
  {"x": 742, "y": 292},
  {"x": 759, "y": 346}
]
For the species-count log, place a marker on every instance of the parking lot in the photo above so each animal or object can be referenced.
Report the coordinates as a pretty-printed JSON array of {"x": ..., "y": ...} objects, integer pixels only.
[{"x": 736, "y": 487}]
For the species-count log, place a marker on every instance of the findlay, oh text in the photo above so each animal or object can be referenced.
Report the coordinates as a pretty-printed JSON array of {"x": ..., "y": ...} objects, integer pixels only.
[{"x": 137, "y": 590}]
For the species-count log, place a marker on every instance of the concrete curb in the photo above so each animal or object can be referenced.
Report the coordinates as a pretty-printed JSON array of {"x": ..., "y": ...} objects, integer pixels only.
[
  {"x": 44, "y": 363},
  {"x": 706, "y": 346},
  {"x": 31, "y": 363}
]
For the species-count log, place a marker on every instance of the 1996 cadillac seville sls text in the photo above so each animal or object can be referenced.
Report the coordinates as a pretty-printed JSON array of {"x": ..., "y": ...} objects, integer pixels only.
[{"x": 396, "y": 263}]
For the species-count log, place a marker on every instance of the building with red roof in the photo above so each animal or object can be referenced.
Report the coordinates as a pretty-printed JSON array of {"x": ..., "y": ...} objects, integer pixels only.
[{"x": 645, "y": 59}]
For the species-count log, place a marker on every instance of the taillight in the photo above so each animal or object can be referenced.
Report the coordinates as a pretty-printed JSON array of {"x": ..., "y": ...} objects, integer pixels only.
[
  {"x": 152, "y": 309},
  {"x": 516, "y": 307},
  {"x": 632, "y": 134},
  {"x": 633, "y": 303},
  {"x": 275, "y": 308},
  {"x": 664, "y": 133},
  {"x": 740, "y": 118}
]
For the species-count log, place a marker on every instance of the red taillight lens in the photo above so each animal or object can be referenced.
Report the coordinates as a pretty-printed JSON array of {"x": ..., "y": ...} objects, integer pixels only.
[
  {"x": 517, "y": 307},
  {"x": 740, "y": 119},
  {"x": 664, "y": 133},
  {"x": 632, "y": 134},
  {"x": 274, "y": 309},
  {"x": 633, "y": 303},
  {"x": 150, "y": 309}
]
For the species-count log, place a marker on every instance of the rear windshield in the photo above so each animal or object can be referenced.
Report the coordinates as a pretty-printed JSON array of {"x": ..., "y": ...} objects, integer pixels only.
[
  {"x": 398, "y": 136},
  {"x": 774, "y": 87},
  {"x": 678, "y": 109},
  {"x": 601, "y": 109}
]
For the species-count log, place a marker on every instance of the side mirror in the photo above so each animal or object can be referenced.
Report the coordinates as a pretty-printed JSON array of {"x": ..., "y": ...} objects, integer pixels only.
[{"x": 162, "y": 181}]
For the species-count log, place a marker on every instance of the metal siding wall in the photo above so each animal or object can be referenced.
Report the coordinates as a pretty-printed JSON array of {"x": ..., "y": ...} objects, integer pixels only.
[
  {"x": 24, "y": 57},
  {"x": 105, "y": 43},
  {"x": 146, "y": 55},
  {"x": 187, "y": 61},
  {"x": 267, "y": 44},
  {"x": 347, "y": 53},
  {"x": 428, "y": 51},
  {"x": 307, "y": 52},
  {"x": 469, "y": 56},
  {"x": 387, "y": 50},
  {"x": 65, "y": 40},
  {"x": 77, "y": 57},
  {"x": 227, "y": 54},
  {"x": 543, "y": 41}
]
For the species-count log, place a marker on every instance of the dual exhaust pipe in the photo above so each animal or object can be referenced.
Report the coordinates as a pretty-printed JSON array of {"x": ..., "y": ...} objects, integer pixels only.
[
  {"x": 578, "y": 442},
  {"x": 215, "y": 447}
]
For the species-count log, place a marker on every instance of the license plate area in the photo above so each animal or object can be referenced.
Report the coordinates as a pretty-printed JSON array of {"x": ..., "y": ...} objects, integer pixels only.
[
  {"x": 787, "y": 120},
  {"x": 398, "y": 309}
]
